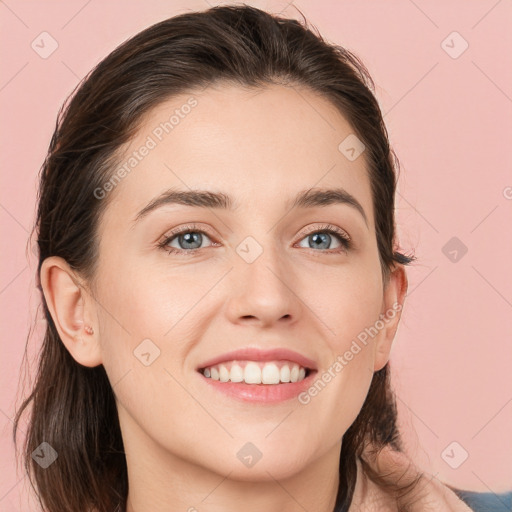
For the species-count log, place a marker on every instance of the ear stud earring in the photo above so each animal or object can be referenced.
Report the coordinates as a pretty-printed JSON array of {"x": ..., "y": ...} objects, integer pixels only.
[{"x": 88, "y": 329}]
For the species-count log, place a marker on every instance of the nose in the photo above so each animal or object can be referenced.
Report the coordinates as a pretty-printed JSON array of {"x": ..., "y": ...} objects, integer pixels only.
[{"x": 262, "y": 292}]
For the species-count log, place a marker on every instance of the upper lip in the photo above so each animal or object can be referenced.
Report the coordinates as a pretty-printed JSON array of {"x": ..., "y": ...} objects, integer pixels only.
[{"x": 258, "y": 354}]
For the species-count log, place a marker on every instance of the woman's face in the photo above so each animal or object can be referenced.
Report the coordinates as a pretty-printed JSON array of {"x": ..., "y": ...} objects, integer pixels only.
[{"x": 265, "y": 275}]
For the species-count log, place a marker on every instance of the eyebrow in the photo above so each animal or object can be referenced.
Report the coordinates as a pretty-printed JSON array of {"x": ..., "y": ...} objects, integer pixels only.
[{"x": 310, "y": 198}]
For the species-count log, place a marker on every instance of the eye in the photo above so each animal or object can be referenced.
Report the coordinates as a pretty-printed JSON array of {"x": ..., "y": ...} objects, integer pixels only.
[
  {"x": 321, "y": 237},
  {"x": 188, "y": 238}
]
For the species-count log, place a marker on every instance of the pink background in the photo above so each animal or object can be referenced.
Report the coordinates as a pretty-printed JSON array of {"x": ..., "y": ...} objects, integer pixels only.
[{"x": 450, "y": 122}]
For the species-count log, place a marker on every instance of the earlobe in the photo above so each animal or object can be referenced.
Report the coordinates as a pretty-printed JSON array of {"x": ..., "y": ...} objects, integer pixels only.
[
  {"x": 70, "y": 311},
  {"x": 392, "y": 305}
]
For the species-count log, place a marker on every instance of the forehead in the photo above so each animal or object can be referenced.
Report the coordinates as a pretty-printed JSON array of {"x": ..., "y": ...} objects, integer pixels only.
[{"x": 260, "y": 146}]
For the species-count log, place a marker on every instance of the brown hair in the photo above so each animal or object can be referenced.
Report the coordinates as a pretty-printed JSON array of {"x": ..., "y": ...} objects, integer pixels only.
[{"x": 73, "y": 407}]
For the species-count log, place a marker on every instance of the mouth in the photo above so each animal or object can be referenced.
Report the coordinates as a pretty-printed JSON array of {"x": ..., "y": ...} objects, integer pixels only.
[
  {"x": 259, "y": 376},
  {"x": 253, "y": 365},
  {"x": 264, "y": 373}
]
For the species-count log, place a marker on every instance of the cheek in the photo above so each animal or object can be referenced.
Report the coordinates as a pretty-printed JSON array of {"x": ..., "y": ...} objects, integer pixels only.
[
  {"x": 147, "y": 320},
  {"x": 132, "y": 319},
  {"x": 157, "y": 297},
  {"x": 345, "y": 307},
  {"x": 139, "y": 303},
  {"x": 348, "y": 305},
  {"x": 334, "y": 400}
]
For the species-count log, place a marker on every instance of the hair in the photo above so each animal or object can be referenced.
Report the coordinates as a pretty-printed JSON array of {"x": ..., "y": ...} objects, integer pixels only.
[{"x": 73, "y": 406}]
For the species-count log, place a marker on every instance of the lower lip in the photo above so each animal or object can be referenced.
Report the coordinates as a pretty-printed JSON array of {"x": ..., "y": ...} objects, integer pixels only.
[{"x": 261, "y": 393}]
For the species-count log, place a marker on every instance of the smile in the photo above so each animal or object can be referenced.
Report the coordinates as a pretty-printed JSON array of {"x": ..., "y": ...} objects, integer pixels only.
[{"x": 252, "y": 372}]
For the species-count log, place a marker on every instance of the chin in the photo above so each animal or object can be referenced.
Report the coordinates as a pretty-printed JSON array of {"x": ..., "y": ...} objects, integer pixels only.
[{"x": 262, "y": 472}]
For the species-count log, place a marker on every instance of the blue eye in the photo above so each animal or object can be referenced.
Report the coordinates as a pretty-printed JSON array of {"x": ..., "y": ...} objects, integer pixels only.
[
  {"x": 190, "y": 238},
  {"x": 322, "y": 237}
]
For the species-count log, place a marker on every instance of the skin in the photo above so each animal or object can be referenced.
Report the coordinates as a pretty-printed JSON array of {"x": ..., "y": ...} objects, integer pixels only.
[{"x": 181, "y": 437}]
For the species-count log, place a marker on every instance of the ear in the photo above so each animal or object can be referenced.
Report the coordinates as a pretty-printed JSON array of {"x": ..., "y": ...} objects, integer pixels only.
[
  {"x": 392, "y": 305},
  {"x": 71, "y": 308}
]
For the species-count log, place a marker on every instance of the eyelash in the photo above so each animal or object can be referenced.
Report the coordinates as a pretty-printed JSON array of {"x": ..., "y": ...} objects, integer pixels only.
[{"x": 344, "y": 239}]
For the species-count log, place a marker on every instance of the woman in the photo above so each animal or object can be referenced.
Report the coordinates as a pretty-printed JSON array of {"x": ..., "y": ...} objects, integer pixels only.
[{"x": 222, "y": 281}]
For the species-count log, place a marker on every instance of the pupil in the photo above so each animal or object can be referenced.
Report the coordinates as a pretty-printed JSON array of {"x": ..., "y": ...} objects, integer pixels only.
[
  {"x": 316, "y": 238},
  {"x": 189, "y": 238}
]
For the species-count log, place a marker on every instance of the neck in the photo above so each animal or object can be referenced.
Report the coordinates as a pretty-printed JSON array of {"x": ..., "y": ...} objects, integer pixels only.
[{"x": 160, "y": 481}]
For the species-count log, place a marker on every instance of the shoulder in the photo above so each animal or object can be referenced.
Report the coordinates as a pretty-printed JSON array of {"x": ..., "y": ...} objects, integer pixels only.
[{"x": 485, "y": 501}]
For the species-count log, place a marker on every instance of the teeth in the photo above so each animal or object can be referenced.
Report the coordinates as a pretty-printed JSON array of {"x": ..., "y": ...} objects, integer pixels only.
[
  {"x": 223, "y": 373},
  {"x": 270, "y": 374},
  {"x": 256, "y": 373},
  {"x": 252, "y": 374},
  {"x": 236, "y": 374}
]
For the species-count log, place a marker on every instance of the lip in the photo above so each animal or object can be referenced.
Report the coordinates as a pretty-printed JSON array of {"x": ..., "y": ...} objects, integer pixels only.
[
  {"x": 257, "y": 354},
  {"x": 261, "y": 393}
]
